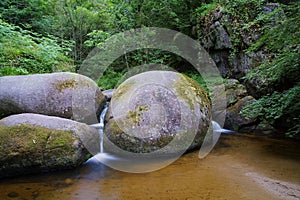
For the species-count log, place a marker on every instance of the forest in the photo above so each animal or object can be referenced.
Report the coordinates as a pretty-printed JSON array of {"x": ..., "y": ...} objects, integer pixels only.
[{"x": 45, "y": 36}]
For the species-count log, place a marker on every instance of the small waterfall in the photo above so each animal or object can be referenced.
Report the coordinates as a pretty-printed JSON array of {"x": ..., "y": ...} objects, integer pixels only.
[
  {"x": 217, "y": 128},
  {"x": 101, "y": 130},
  {"x": 100, "y": 125},
  {"x": 212, "y": 138}
]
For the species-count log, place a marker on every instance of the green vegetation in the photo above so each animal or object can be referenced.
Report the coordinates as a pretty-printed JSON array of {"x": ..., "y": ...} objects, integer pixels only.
[
  {"x": 278, "y": 107},
  {"x": 25, "y": 52},
  {"x": 279, "y": 77}
]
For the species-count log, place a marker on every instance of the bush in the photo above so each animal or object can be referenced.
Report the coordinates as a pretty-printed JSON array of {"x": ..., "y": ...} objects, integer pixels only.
[{"x": 25, "y": 52}]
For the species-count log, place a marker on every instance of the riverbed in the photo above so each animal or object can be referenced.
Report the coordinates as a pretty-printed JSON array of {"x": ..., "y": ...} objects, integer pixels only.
[{"x": 239, "y": 167}]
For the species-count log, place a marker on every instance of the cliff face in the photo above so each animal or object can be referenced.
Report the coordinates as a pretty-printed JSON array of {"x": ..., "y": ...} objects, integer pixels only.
[{"x": 227, "y": 36}]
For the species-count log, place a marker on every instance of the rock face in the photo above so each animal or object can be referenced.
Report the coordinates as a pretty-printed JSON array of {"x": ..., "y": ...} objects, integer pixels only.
[
  {"x": 237, "y": 98},
  {"x": 234, "y": 120},
  {"x": 217, "y": 33},
  {"x": 232, "y": 93},
  {"x": 32, "y": 143},
  {"x": 151, "y": 109},
  {"x": 66, "y": 95}
]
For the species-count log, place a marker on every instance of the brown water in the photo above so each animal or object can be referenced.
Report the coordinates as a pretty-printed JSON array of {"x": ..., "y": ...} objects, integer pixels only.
[{"x": 239, "y": 167}]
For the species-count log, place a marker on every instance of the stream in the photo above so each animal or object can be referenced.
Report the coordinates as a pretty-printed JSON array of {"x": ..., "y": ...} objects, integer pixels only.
[{"x": 239, "y": 167}]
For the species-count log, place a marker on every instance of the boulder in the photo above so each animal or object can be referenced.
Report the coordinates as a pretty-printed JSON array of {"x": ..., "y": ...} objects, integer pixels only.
[
  {"x": 66, "y": 95},
  {"x": 231, "y": 92},
  {"x": 234, "y": 120},
  {"x": 158, "y": 110},
  {"x": 32, "y": 143}
]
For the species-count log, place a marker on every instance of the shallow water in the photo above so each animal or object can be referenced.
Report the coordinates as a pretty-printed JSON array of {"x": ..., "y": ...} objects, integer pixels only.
[{"x": 239, "y": 167}]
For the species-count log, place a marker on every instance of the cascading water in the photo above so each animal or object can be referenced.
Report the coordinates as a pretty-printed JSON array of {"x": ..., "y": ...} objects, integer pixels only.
[
  {"x": 217, "y": 128},
  {"x": 101, "y": 156},
  {"x": 212, "y": 138},
  {"x": 101, "y": 129},
  {"x": 100, "y": 125}
]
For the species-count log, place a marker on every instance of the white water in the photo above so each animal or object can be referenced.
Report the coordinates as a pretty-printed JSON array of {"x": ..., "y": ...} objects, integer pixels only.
[
  {"x": 101, "y": 129},
  {"x": 100, "y": 125},
  {"x": 217, "y": 128},
  {"x": 211, "y": 139}
]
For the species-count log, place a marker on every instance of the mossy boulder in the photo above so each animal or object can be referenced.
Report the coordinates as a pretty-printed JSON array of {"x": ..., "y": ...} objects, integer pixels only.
[
  {"x": 66, "y": 95},
  {"x": 32, "y": 143},
  {"x": 158, "y": 110}
]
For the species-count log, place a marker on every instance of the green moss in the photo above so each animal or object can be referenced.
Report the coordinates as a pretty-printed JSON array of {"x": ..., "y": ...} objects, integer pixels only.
[
  {"x": 58, "y": 139},
  {"x": 32, "y": 141},
  {"x": 61, "y": 85},
  {"x": 136, "y": 116},
  {"x": 122, "y": 89},
  {"x": 190, "y": 91},
  {"x": 114, "y": 128}
]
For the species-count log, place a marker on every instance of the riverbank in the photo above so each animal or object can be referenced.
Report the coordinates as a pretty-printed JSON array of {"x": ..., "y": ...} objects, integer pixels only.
[{"x": 239, "y": 167}]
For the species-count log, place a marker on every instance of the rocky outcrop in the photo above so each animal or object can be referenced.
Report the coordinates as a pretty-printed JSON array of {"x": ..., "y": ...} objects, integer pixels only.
[
  {"x": 237, "y": 98},
  {"x": 226, "y": 42},
  {"x": 151, "y": 110},
  {"x": 234, "y": 120},
  {"x": 32, "y": 143},
  {"x": 66, "y": 95}
]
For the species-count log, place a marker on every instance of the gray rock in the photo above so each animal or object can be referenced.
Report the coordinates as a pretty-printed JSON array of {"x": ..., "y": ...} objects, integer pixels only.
[
  {"x": 220, "y": 36},
  {"x": 108, "y": 93},
  {"x": 33, "y": 143},
  {"x": 66, "y": 95},
  {"x": 232, "y": 92},
  {"x": 234, "y": 120},
  {"x": 216, "y": 32},
  {"x": 149, "y": 110}
]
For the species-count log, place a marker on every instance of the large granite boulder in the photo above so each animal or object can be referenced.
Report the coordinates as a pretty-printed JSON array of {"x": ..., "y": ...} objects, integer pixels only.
[
  {"x": 158, "y": 111},
  {"x": 66, "y": 95},
  {"x": 32, "y": 143}
]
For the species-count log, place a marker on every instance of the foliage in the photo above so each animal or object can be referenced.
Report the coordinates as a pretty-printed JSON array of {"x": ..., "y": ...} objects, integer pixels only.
[
  {"x": 24, "y": 13},
  {"x": 25, "y": 52},
  {"x": 173, "y": 14},
  {"x": 272, "y": 107},
  {"x": 279, "y": 77},
  {"x": 110, "y": 79},
  {"x": 205, "y": 9},
  {"x": 240, "y": 14}
]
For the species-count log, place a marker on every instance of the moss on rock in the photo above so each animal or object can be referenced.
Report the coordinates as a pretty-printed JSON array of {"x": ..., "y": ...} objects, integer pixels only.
[
  {"x": 30, "y": 149},
  {"x": 151, "y": 110},
  {"x": 190, "y": 91},
  {"x": 69, "y": 83}
]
